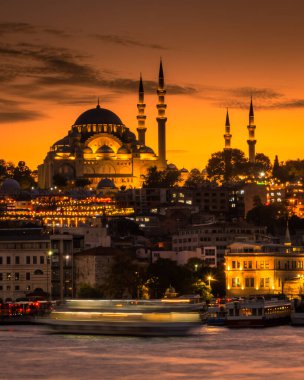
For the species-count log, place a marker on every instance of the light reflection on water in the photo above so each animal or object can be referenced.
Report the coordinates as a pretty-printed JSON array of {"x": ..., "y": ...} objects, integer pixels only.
[{"x": 27, "y": 352}]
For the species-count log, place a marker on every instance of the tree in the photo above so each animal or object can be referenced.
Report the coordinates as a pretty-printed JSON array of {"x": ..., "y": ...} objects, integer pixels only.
[
  {"x": 268, "y": 216},
  {"x": 125, "y": 276},
  {"x": 23, "y": 175},
  {"x": 161, "y": 178},
  {"x": 216, "y": 167},
  {"x": 194, "y": 180},
  {"x": 262, "y": 164},
  {"x": 87, "y": 292}
]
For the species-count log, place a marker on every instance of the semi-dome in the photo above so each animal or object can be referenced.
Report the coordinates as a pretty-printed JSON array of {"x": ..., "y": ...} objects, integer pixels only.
[
  {"x": 10, "y": 187},
  {"x": 105, "y": 149},
  {"x": 98, "y": 115},
  {"x": 123, "y": 150},
  {"x": 195, "y": 171},
  {"x": 184, "y": 170},
  {"x": 63, "y": 141},
  {"x": 105, "y": 183},
  {"x": 146, "y": 149},
  {"x": 87, "y": 150}
]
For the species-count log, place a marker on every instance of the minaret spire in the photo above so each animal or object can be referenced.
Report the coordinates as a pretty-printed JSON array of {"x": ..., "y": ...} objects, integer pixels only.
[
  {"x": 161, "y": 119},
  {"x": 227, "y": 135},
  {"x": 98, "y": 105},
  {"x": 141, "y": 117},
  {"x": 251, "y": 129}
]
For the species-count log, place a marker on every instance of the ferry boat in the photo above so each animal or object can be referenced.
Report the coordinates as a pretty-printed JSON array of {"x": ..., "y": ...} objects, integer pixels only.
[
  {"x": 166, "y": 317},
  {"x": 297, "y": 312},
  {"x": 23, "y": 312},
  {"x": 258, "y": 312},
  {"x": 217, "y": 313}
]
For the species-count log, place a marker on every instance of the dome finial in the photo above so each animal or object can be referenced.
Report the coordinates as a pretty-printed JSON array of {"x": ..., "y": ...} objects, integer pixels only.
[{"x": 98, "y": 105}]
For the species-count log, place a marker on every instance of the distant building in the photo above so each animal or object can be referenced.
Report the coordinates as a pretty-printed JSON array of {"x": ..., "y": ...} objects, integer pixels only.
[{"x": 218, "y": 235}]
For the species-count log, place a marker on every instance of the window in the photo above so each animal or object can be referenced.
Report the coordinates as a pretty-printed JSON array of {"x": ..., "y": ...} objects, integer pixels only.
[
  {"x": 17, "y": 260},
  {"x": 17, "y": 287},
  {"x": 267, "y": 282},
  {"x": 245, "y": 264},
  {"x": 27, "y": 276},
  {"x": 17, "y": 276},
  {"x": 8, "y": 276},
  {"x": 41, "y": 259},
  {"x": 262, "y": 283},
  {"x": 249, "y": 264},
  {"x": 34, "y": 259},
  {"x": 249, "y": 282},
  {"x": 28, "y": 259},
  {"x": 28, "y": 287},
  {"x": 1, "y": 260},
  {"x": 236, "y": 282},
  {"x": 38, "y": 272},
  {"x": 1, "y": 276},
  {"x": 262, "y": 264},
  {"x": 8, "y": 260}
]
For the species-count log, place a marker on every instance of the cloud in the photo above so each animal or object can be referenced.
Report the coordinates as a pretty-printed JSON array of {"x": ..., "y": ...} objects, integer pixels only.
[
  {"x": 285, "y": 104},
  {"x": 126, "y": 41},
  {"x": 18, "y": 115},
  {"x": 261, "y": 93},
  {"x": 26, "y": 28}
]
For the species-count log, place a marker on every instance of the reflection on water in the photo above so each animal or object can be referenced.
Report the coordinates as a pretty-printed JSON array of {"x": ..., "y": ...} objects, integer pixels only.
[{"x": 27, "y": 352}]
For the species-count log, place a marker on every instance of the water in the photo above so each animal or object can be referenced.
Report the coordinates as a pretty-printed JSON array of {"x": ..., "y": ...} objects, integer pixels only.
[{"x": 27, "y": 352}]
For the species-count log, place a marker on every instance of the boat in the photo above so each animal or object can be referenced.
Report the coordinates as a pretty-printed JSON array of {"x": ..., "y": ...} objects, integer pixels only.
[
  {"x": 23, "y": 312},
  {"x": 297, "y": 312},
  {"x": 166, "y": 317},
  {"x": 217, "y": 313},
  {"x": 257, "y": 312}
]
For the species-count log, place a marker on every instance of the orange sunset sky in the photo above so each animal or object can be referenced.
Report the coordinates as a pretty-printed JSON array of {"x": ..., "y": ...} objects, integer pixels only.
[{"x": 58, "y": 56}]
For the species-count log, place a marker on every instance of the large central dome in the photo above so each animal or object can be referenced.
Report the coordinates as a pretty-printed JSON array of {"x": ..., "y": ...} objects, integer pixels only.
[{"x": 98, "y": 116}]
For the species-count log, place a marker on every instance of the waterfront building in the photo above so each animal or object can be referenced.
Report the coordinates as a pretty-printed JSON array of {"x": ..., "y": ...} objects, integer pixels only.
[
  {"x": 24, "y": 263},
  {"x": 257, "y": 269}
]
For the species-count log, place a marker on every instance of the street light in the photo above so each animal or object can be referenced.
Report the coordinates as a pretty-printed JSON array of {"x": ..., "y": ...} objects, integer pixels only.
[
  {"x": 48, "y": 261},
  {"x": 209, "y": 278}
]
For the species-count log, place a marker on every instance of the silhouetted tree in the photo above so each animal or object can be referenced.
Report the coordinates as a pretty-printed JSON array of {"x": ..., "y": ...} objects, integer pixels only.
[{"x": 161, "y": 178}]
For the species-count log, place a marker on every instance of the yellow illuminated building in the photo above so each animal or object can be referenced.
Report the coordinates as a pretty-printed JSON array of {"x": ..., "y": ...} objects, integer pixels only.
[
  {"x": 99, "y": 146},
  {"x": 252, "y": 269}
]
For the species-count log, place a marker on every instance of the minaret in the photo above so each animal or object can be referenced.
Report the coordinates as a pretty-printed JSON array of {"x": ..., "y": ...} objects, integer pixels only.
[
  {"x": 161, "y": 119},
  {"x": 227, "y": 149},
  {"x": 251, "y": 129},
  {"x": 227, "y": 135},
  {"x": 141, "y": 117}
]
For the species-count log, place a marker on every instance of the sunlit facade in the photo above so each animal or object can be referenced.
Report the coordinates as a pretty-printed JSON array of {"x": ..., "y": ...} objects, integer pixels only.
[{"x": 263, "y": 269}]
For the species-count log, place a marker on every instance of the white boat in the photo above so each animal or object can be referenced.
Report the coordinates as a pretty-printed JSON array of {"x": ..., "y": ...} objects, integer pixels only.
[
  {"x": 167, "y": 317},
  {"x": 257, "y": 312},
  {"x": 297, "y": 312}
]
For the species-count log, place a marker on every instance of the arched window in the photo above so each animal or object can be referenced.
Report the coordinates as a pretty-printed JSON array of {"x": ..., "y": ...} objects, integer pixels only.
[{"x": 38, "y": 272}]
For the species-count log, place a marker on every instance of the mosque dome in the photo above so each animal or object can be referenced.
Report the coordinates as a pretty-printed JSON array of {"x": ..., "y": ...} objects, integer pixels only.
[
  {"x": 105, "y": 183},
  {"x": 105, "y": 149},
  {"x": 98, "y": 115},
  {"x": 10, "y": 187},
  {"x": 184, "y": 170},
  {"x": 123, "y": 150},
  {"x": 128, "y": 136},
  {"x": 146, "y": 149},
  {"x": 171, "y": 167}
]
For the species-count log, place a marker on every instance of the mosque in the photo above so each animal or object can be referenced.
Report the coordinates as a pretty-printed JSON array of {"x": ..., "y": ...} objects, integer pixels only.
[{"x": 101, "y": 149}]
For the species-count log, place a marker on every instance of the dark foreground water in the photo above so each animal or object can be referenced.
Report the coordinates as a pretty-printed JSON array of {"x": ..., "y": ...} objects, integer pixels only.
[{"x": 27, "y": 352}]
